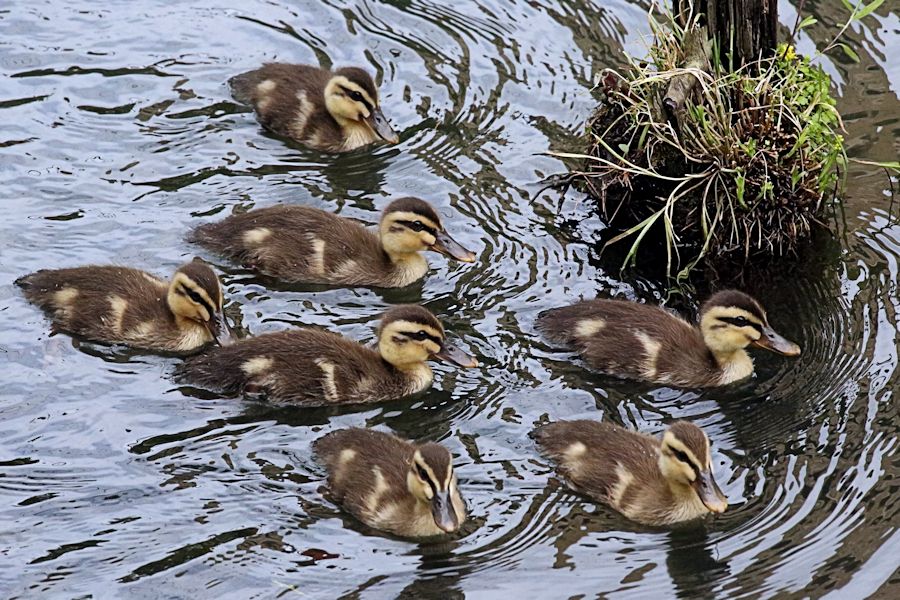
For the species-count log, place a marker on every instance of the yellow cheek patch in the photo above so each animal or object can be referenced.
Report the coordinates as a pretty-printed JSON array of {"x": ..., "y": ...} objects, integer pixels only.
[
  {"x": 201, "y": 312},
  {"x": 674, "y": 443}
]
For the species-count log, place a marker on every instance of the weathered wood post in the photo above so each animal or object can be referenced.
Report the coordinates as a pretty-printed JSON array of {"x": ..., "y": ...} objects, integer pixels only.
[{"x": 744, "y": 30}]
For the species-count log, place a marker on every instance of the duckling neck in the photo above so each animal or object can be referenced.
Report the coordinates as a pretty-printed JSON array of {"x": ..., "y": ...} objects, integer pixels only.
[
  {"x": 418, "y": 376},
  {"x": 193, "y": 334},
  {"x": 407, "y": 266},
  {"x": 354, "y": 134},
  {"x": 734, "y": 365},
  {"x": 685, "y": 504}
]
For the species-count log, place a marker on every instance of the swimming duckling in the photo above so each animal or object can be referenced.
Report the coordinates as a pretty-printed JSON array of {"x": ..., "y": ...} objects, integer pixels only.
[
  {"x": 649, "y": 481},
  {"x": 305, "y": 244},
  {"x": 636, "y": 341},
  {"x": 119, "y": 305},
  {"x": 389, "y": 484},
  {"x": 312, "y": 367},
  {"x": 331, "y": 111}
]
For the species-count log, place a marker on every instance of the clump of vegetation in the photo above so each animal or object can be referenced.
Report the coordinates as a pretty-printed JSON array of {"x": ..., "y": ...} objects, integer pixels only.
[{"x": 743, "y": 165}]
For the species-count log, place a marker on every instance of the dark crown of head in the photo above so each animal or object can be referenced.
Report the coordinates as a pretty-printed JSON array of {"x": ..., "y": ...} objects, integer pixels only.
[
  {"x": 734, "y": 298},
  {"x": 360, "y": 78},
  {"x": 412, "y": 313},
  {"x": 415, "y": 206},
  {"x": 437, "y": 457},
  {"x": 691, "y": 436},
  {"x": 203, "y": 275}
]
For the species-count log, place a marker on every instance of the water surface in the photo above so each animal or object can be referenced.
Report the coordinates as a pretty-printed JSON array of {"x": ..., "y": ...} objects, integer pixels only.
[{"x": 118, "y": 135}]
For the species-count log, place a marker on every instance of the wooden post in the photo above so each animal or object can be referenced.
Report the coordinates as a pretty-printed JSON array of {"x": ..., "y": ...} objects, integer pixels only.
[{"x": 744, "y": 30}]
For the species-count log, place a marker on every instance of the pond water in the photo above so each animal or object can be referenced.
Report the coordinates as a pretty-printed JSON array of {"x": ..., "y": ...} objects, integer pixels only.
[{"x": 118, "y": 135}]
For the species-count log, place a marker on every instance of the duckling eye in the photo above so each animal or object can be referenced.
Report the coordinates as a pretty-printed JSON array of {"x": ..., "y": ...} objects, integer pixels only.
[
  {"x": 421, "y": 473},
  {"x": 741, "y": 321},
  {"x": 419, "y": 335},
  {"x": 356, "y": 96},
  {"x": 417, "y": 226}
]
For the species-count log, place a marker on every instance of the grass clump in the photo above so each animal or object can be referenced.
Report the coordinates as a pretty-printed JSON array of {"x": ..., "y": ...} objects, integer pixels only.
[{"x": 744, "y": 167}]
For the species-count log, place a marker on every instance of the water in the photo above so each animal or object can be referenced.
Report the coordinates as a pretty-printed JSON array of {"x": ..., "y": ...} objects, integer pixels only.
[{"x": 118, "y": 135}]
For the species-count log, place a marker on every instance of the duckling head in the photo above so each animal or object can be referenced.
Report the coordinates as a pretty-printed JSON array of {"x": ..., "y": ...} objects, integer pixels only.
[
  {"x": 196, "y": 294},
  {"x": 731, "y": 320},
  {"x": 432, "y": 481},
  {"x": 685, "y": 462},
  {"x": 411, "y": 225},
  {"x": 351, "y": 97},
  {"x": 409, "y": 335}
]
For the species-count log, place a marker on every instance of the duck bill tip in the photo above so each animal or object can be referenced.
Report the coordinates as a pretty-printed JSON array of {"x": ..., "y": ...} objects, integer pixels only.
[
  {"x": 442, "y": 512},
  {"x": 446, "y": 245},
  {"x": 712, "y": 497},
  {"x": 382, "y": 127},
  {"x": 773, "y": 342},
  {"x": 221, "y": 332},
  {"x": 716, "y": 506}
]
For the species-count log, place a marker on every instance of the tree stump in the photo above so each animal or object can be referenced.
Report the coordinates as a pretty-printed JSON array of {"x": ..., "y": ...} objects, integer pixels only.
[{"x": 744, "y": 30}]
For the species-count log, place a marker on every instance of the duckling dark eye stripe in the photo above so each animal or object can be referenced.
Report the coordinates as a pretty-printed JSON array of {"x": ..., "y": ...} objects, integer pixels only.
[
  {"x": 362, "y": 99},
  {"x": 684, "y": 458},
  {"x": 197, "y": 298},
  {"x": 422, "y": 335},
  {"x": 424, "y": 475},
  {"x": 422, "y": 227},
  {"x": 734, "y": 321}
]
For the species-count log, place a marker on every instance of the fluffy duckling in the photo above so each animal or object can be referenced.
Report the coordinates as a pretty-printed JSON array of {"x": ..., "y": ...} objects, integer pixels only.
[
  {"x": 312, "y": 367},
  {"x": 305, "y": 244},
  {"x": 649, "y": 481},
  {"x": 390, "y": 484},
  {"x": 119, "y": 305},
  {"x": 332, "y": 111},
  {"x": 636, "y": 341}
]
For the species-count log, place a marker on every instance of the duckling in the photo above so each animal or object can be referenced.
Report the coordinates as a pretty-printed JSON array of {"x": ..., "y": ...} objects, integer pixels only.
[
  {"x": 637, "y": 341},
  {"x": 389, "y": 484},
  {"x": 305, "y": 244},
  {"x": 120, "y": 305},
  {"x": 311, "y": 367},
  {"x": 649, "y": 481},
  {"x": 331, "y": 111}
]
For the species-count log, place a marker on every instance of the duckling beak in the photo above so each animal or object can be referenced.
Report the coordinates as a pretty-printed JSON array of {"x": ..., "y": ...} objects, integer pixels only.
[
  {"x": 447, "y": 246},
  {"x": 381, "y": 126},
  {"x": 710, "y": 494},
  {"x": 219, "y": 329},
  {"x": 454, "y": 355},
  {"x": 443, "y": 513},
  {"x": 774, "y": 342}
]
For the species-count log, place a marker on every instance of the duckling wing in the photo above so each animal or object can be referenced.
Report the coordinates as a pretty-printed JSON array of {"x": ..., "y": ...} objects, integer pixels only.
[
  {"x": 357, "y": 459},
  {"x": 307, "y": 367},
  {"x": 629, "y": 340},
  {"x": 599, "y": 459},
  {"x": 107, "y": 304},
  {"x": 295, "y": 243},
  {"x": 288, "y": 99}
]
